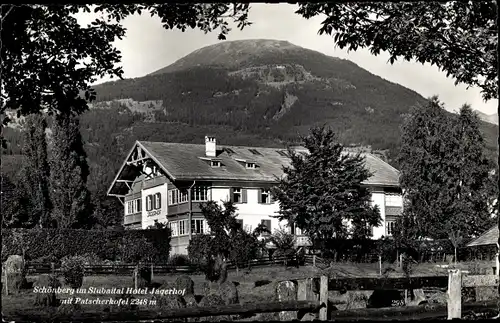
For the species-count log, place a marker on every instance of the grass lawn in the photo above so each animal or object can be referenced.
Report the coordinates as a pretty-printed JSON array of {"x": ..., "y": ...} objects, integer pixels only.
[{"x": 247, "y": 289}]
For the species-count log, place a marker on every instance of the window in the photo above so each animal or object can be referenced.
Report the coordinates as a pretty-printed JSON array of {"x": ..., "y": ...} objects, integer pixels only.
[
  {"x": 183, "y": 196},
  {"x": 240, "y": 222},
  {"x": 171, "y": 197},
  {"x": 267, "y": 224},
  {"x": 237, "y": 195},
  {"x": 138, "y": 205},
  {"x": 157, "y": 201},
  {"x": 393, "y": 200},
  {"x": 173, "y": 228},
  {"x": 265, "y": 196},
  {"x": 251, "y": 165},
  {"x": 215, "y": 163},
  {"x": 390, "y": 227},
  {"x": 197, "y": 226},
  {"x": 200, "y": 194},
  {"x": 183, "y": 228},
  {"x": 149, "y": 202},
  {"x": 129, "y": 207}
]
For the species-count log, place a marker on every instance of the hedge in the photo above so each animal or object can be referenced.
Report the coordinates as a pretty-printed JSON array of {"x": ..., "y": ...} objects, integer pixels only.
[
  {"x": 366, "y": 250},
  {"x": 106, "y": 244}
]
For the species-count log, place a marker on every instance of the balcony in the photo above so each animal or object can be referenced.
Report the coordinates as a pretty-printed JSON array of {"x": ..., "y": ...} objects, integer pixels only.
[
  {"x": 393, "y": 210},
  {"x": 132, "y": 218}
]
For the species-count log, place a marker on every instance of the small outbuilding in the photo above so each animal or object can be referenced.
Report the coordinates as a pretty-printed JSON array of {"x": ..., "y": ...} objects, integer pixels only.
[{"x": 484, "y": 247}]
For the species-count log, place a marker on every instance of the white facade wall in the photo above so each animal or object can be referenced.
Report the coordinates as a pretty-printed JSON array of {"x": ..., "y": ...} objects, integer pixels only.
[
  {"x": 251, "y": 212},
  {"x": 149, "y": 217}
]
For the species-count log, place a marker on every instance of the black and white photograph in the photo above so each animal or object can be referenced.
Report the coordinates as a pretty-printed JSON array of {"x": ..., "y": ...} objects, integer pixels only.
[{"x": 330, "y": 161}]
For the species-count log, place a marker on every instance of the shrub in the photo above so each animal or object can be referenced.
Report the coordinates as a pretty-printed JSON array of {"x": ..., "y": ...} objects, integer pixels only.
[
  {"x": 46, "y": 299},
  {"x": 73, "y": 270},
  {"x": 185, "y": 283},
  {"x": 229, "y": 293},
  {"x": 179, "y": 260}
]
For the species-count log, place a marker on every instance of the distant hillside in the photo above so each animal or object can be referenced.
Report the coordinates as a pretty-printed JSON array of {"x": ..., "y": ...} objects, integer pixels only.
[
  {"x": 491, "y": 118},
  {"x": 250, "y": 92}
]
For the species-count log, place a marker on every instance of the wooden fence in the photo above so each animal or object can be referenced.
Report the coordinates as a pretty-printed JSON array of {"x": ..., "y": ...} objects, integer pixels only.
[
  {"x": 158, "y": 269},
  {"x": 302, "y": 296}
]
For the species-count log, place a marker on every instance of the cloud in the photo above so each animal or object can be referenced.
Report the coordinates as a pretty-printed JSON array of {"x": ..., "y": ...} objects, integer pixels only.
[{"x": 148, "y": 47}]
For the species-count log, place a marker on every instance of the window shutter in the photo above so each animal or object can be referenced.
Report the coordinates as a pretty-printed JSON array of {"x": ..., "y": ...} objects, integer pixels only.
[
  {"x": 231, "y": 194},
  {"x": 259, "y": 196},
  {"x": 243, "y": 195},
  {"x": 158, "y": 198}
]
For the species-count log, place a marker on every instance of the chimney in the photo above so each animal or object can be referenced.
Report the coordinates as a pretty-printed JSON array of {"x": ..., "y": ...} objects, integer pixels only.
[{"x": 210, "y": 146}]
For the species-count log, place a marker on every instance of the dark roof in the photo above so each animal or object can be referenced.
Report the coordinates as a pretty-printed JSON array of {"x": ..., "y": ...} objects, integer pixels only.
[
  {"x": 188, "y": 162},
  {"x": 490, "y": 237}
]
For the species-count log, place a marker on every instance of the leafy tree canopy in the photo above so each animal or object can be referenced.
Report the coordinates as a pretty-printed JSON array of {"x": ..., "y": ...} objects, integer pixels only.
[
  {"x": 460, "y": 37},
  {"x": 50, "y": 61},
  {"x": 322, "y": 191}
]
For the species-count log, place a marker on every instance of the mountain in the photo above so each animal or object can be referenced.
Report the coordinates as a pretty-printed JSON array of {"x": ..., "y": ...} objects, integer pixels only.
[
  {"x": 491, "y": 118},
  {"x": 248, "y": 92}
]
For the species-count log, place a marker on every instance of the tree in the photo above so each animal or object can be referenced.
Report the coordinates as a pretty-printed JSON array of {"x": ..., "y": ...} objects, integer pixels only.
[
  {"x": 226, "y": 241},
  {"x": 424, "y": 157},
  {"x": 321, "y": 192},
  {"x": 471, "y": 181},
  {"x": 14, "y": 213},
  {"x": 49, "y": 61},
  {"x": 456, "y": 240},
  {"x": 444, "y": 172},
  {"x": 35, "y": 173},
  {"x": 459, "y": 37},
  {"x": 68, "y": 177}
]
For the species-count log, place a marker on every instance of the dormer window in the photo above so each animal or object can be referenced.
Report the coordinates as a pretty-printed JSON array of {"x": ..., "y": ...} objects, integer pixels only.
[
  {"x": 215, "y": 163},
  {"x": 251, "y": 165}
]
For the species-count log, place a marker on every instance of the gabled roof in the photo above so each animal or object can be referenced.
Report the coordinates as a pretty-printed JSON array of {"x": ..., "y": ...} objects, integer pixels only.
[
  {"x": 183, "y": 162},
  {"x": 490, "y": 237}
]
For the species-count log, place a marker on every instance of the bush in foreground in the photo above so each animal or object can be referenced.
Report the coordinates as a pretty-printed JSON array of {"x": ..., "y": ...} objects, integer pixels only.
[
  {"x": 73, "y": 270},
  {"x": 46, "y": 299}
]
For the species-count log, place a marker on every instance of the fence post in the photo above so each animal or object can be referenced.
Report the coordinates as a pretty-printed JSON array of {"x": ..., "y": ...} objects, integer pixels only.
[
  {"x": 314, "y": 260},
  {"x": 286, "y": 291},
  {"x": 454, "y": 294},
  {"x": 305, "y": 292},
  {"x": 6, "y": 284},
  {"x": 323, "y": 298}
]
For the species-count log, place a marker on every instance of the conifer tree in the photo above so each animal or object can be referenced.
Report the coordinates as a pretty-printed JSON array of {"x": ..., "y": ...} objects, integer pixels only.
[
  {"x": 470, "y": 182},
  {"x": 444, "y": 172},
  {"x": 35, "y": 173},
  {"x": 323, "y": 191},
  {"x": 69, "y": 172}
]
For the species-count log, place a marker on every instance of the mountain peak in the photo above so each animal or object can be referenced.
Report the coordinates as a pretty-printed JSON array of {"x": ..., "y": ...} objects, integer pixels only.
[{"x": 234, "y": 54}]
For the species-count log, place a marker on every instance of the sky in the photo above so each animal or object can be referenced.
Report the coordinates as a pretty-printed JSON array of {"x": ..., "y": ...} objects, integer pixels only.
[{"x": 148, "y": 47}]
